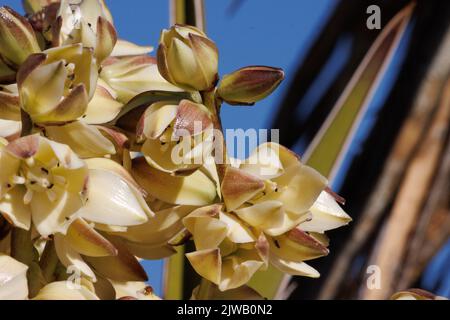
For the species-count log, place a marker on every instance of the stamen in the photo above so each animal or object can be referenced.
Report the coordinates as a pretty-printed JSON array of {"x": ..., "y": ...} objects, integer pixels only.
[
  {"x": 18, "y": 180},
  {"x": 51, "y": 195},
  {"x": 30, "y": 162},
  {"x": 28, "y": 196}
]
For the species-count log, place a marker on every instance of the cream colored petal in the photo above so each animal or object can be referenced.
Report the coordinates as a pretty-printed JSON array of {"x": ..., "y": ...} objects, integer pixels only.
[
  {"x": 264, "y": 162},
  {"x": 13, "y": 279},
  {"x": 290, "y": 221},
  {"x": 297, "y": 246},
  {"x": 161, "y": 228},
  {"x": 85, "y": 140},
  {"x": 195, "y": 189},
  {"x": 150, "y": 251},
  {"x": 85, "y": 240},
  {"x": 10, "y": 128},
  {"x": 237, "y": 272},
  {"x": 207, "y": 263},
  {"x": 111, "y": 201},
  {"x": 71, "y": 258},
  {"x": 126, "y": 48},
  {"x": 298, "y": 189},
  {"x": 106, "y": 39},
  {"x": 264, "y": 215},
  {"x": 13, "y": 208},
  {"x": 117, "y": 169},
  {"x": 51, "y": 217},
  {"x": 326, "y": 215},
  {"x": 103, "y": 107},
  {"x": 10, "y": 167},
  {"x": 42, "y": 90},
  {"x": 123, "y": 267},
  {"x": 294, "y": 268},
  {"x": 207, "y": 230},
  {"x": 64, "y": 290},
  {"x": 237, "y": 231},
  {"x": 238, "y": 187},
  {"x": 157, "y": 118}
]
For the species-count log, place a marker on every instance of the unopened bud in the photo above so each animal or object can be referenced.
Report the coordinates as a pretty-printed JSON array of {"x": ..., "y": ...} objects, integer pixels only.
[
  {"x": 250, "y": 84},
  {"x": 187, "y": 58},
  {"x": 17, "y": 38}
]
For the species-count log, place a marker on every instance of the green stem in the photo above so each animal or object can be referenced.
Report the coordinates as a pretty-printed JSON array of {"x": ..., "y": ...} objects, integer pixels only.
[
  {"x": 213, "y": 104},
  {"x": 204, "y": 290},
  {"x": 21, "y": 246},
  {"x": 22, "y": 250},
  {"x": 49, "y": 261}
]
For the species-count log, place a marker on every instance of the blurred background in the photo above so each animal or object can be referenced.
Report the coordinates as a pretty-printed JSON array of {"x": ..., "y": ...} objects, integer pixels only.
[{"x": 370, "y": 109}]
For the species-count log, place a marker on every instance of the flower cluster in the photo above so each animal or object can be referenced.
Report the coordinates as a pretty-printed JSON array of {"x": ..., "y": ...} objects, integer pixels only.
[{"x": 109, "y": 155}]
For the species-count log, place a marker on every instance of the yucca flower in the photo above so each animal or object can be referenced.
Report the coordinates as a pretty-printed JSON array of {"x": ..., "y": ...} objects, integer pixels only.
[
  {"x": 55, "y": 86},
  {"x": 42, "y": 181},
  {"x": 272, "y": 191},
  {"x": 187, "y": 58},
  {"x": 227, "y": 252},
  {"x": 88, "y": 22},
  {"x": 176, "y": 137}
]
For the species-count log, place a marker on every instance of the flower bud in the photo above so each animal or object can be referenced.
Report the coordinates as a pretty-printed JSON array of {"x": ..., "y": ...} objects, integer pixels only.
[
  {"x": 250, "y": 84},
  {"x": 187, "y": 58},
  {"x": 17, "y": 38}
]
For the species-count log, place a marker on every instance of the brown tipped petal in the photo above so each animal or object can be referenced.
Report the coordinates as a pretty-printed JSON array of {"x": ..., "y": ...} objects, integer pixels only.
[
  {"x": 17, "y": 38},
  {"x": 196, "y": 189},
  {"x": 239, "y": 187},
  {"x": 250, "y": 84},
  {"x": 106, "y": 39},
  {"x": 122, "y": 267},
  {"x": 84, "y": 239},
  {"x": 191, "y": 117},
  {"x": 207, "y": 263},
  {"x": 25, "y": 147}
]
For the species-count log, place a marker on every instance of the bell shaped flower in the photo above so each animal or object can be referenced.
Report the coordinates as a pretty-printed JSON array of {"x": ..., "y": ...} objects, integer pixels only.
[
  {"x": 272, "y": 190},
  {"x": 187, "y": 58},
  {"x": 227, "y": 252},
  {"x": 176, "y": 136},
  {"x": 55, "y": 86},
  {"x": 85, "y": 22},
  {"x": 41, "y": 180}
]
